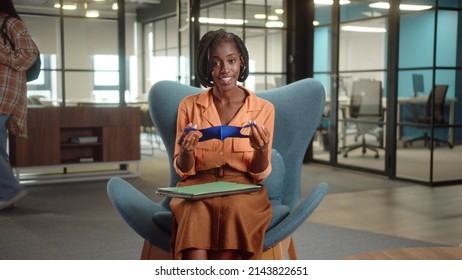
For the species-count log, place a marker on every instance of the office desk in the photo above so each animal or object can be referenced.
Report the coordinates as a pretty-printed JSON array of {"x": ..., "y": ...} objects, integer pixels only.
[
  {"x": 416, "y": 253},
  {"x": 422, "y": 101}
]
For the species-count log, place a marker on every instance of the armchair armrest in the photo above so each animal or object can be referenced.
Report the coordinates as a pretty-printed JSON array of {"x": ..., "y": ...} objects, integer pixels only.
[
  {"x": 296, "y": 217},
  {"x": 137, "y": 210}
]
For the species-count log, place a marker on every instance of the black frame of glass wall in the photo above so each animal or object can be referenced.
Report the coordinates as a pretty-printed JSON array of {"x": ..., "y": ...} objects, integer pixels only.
[
  {"x": 236, "y": 17},
  {"x": 298, "y": 63},
  {"x": 396, "y": 82},
  {"x": 61, "y": 72}
]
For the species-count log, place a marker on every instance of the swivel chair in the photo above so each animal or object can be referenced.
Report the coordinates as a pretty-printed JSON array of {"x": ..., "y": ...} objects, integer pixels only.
[
  {"x": 434, "y": 114},
  {"x": 298, "y": 108},
  {"x": 366, "y": 113}
]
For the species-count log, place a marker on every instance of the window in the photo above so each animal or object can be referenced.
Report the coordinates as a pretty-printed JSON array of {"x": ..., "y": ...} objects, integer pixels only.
[{"x": 106, "y": 77}]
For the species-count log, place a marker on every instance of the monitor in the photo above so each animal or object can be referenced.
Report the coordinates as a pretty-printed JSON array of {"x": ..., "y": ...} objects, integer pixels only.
[{"x": 418, "y": 84}]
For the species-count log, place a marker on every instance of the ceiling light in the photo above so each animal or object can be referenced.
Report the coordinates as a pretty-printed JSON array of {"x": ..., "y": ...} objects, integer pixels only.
[
  {"x": 278, "y": 11},
  {"x": 92, "y": 14},
  {"x": 115, "y": 6},
  {"x": 271, "y": 24},
  {"x": 259, "y": 16},
  {"x": 69, "y": 6},
  {"x": 407, "y": 7},
  {"x": 330, "y": 2},
  {"x": 353, "y": 28},
  {"x": 273, "y": 17},
  {"x": 228, "y": 21},
  {"x": 380, "y": 5},
  {"x": 315, "y": 23},
  {"x": 404, "y": 7}
]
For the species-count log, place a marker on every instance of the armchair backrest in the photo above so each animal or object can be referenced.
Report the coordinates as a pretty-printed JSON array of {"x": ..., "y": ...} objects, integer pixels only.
[{"x": 298, "y": 106}]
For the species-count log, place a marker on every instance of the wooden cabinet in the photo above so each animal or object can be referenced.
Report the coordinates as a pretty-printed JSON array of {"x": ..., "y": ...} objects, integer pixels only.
[{"x": 50, "y": 130}]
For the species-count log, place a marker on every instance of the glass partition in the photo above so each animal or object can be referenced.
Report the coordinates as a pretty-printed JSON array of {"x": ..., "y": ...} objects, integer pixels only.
[
  {"x": 429, "y": 125},
  {"x": 80, "y": 55},
  {"x": 362, "y": 56},
  {"x": 322, "y": 63},
  {"x": 263, "y": 32},
  {"x": 45, "y": 32}
]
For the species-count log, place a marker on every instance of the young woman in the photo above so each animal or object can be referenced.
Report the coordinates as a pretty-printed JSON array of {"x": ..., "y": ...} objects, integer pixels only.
[
  {"x": 13, "y": 93},
  {"x": 227, "y": 227}
]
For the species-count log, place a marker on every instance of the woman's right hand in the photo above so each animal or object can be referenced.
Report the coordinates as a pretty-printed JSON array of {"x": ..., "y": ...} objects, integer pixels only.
[{"x": 188, "y": 139}]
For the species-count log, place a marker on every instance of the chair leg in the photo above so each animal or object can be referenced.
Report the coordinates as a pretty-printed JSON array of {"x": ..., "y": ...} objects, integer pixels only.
[
  {"x": 291, "y": 250},
  {"x": 278, "y": 251},
  {"x": 424, "y": 138},
  {"x": 150, "y": 252},
  {"x": 274, "y": 253},
  {"x": 428, "y": 141},
  {"x": 363, "y": 145},
  {"x": 438, "y": 141}
]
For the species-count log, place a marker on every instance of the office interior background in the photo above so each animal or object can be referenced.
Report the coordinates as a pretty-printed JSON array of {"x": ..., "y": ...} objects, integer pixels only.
[{"x": 92, "y": 52}]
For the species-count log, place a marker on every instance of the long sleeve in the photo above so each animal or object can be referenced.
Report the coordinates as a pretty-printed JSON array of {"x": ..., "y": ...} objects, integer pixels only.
[
  {"x": 235, "y": 152},
  {"x": 24, "y": 51},
  {"x": 13, "y": 63}
]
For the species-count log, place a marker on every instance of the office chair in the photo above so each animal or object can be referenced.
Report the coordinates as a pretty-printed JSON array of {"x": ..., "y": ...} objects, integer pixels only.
[
  {"x": 434, "y": 114},
  {"x": 298, "y": 111},
  {"x": 35, "y": 99},
  {"x": 148, "y": 128},
  {"x": 365, "y": 112}
]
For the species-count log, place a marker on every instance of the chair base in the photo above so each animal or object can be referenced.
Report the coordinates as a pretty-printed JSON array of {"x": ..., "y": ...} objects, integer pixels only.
[
  {"x": 428, "y": 141},
  {"x": 277, "y": 252},
  {"x": 363, "y": 145}
]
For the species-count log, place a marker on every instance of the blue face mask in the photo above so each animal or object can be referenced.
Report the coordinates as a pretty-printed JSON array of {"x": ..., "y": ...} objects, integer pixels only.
[{"x": 220, "y": 132}]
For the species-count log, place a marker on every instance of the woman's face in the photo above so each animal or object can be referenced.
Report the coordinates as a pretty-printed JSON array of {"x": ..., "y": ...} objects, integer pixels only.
[{"x": 226, "y": 65}]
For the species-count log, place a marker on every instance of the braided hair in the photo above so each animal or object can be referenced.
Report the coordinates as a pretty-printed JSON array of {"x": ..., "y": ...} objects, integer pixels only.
[{"x": 207, "y": 46}]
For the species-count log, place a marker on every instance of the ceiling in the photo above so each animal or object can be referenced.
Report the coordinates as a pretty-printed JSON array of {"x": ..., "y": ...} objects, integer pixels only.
[{"x": 100, "y": 5}]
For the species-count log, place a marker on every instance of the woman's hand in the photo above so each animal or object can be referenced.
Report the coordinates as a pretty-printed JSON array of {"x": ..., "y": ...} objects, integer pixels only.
[
  {"x": 259, "y": 136},
  {"x": 259, "y": 140},
  {"x": 188, "y": 139}
]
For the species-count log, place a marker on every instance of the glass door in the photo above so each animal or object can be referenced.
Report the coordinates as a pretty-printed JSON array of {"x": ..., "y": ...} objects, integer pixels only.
[
  {"x": 362, "y": 85},
  {"x": 350, "y": 60},
  {"x": 323, "y": 141}
]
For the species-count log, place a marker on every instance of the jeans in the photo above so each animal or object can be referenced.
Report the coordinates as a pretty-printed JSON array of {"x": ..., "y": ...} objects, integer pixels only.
[{"x": 9, "y": 186}]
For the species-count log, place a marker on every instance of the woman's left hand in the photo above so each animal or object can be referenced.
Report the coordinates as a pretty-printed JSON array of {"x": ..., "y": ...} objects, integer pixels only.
[{"x": 259, "y": 136}]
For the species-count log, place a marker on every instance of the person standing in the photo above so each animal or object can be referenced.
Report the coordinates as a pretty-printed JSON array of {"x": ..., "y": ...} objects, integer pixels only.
[{"x": 14, "y": 61}]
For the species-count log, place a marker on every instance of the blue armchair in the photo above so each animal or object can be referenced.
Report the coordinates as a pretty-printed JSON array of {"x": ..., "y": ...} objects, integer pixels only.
[{"x": 299, "y": 107}]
